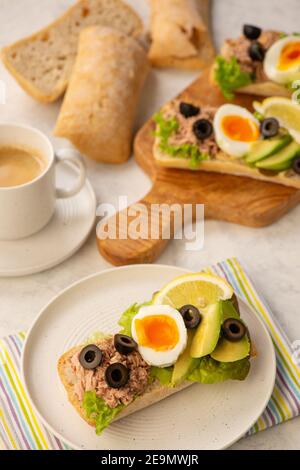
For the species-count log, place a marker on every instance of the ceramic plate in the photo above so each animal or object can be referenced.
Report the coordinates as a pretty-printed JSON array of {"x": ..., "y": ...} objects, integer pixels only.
[{"x": 200, "y": 417}]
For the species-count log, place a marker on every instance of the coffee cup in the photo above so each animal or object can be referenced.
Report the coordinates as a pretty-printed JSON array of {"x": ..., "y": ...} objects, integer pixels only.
[{"x": 28, "y": 191}]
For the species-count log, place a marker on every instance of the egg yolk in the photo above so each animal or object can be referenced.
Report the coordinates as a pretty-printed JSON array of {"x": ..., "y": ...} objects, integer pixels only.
[
  {"x": 240, "y": 128},
  {"x": 158, "y": 332},
  {"x": 290, "y": 56}
]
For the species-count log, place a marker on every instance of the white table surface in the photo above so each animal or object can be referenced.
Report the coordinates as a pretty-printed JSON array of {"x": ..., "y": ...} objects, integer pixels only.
[{"x": 271, "y": 254}]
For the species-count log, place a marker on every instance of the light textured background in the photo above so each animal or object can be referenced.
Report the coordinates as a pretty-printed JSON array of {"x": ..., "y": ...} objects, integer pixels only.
[{"x": 272, "y": 254}]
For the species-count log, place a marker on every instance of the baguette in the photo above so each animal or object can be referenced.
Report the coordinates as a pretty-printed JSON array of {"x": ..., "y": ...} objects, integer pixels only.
[
  {"x": 105, "y": 86},
  {"x": 180, "y": 34},
  {"x": 42, "y": 63},
  {"x": 154, "y": 393}
]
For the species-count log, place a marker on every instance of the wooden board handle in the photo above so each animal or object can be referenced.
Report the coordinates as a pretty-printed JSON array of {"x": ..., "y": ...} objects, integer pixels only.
[{"x": 144, "y": 219}]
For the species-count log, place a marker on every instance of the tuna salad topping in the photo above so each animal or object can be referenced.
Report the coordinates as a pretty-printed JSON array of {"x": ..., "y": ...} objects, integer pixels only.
[
  {"x": 95, "y": 380},
  {"x": 240, "y": 47},
  {"x": 183, "y": 135}
]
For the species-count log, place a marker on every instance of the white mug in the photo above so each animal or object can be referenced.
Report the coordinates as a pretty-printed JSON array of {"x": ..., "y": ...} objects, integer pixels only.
[{"x": 26, "y": 209}]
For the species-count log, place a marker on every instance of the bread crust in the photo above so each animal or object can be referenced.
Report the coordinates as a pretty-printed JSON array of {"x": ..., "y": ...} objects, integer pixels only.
[
  {"x": 223, "y": 164},
  {"x": 61, "y": 86},
  {"x": 171, "y": 44},
  {"x": 153, "y": 394}
]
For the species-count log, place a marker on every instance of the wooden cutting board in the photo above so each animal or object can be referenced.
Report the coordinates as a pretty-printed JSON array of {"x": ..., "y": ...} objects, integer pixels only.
[{"x": 236, "y": 199}]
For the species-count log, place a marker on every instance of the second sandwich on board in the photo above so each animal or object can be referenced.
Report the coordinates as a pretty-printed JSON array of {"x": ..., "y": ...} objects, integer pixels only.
[{"x": 99, "y": 108}]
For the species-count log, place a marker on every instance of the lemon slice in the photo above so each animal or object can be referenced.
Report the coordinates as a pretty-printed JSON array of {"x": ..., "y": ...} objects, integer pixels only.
[
  {"x": 285, "y": 110},
  {"x": 199, "y": 289}
]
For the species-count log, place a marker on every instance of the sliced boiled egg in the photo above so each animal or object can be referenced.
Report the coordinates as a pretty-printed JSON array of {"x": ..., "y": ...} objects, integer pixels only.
[
  {"x": 282, "y": 60},
  {"x": 235, "y": 129},
  {"x": 160, "y": 333}
]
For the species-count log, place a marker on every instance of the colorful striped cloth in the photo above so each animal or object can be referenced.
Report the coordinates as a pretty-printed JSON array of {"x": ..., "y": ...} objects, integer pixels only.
[{"x": 20, "y": 428}]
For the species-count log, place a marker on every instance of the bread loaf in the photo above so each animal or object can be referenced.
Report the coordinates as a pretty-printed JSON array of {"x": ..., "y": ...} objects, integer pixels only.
[
  {"x": 98, "y": 111},
  {"x": 180, "y": 34}
]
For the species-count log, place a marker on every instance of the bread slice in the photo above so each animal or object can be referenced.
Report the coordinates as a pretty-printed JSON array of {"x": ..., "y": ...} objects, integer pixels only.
[
  {"x": 223, "y": 163},
  {"x": 42, "y": 63},
  {"x": 180, "y": 34},
  {"x": 153, "y": 394}
]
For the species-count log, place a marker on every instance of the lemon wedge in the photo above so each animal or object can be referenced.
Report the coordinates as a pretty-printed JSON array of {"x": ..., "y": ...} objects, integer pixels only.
[
  {"x": 286, "y": 111},
  {"x": 198, "y": 289}
]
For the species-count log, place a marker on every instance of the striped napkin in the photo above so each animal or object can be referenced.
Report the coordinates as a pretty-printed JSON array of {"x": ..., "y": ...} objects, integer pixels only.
[{"x": 21, "y": 429}]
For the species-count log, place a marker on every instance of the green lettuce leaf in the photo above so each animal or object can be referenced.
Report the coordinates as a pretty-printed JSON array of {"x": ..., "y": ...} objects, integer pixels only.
[
  {"x": 229, "y": 76},
  {"x": 210, "y": 371},
  {"x": 162, "y": 374},
  {"x": 126, "y": 319},
  {"x": 96, "y": 409},
  {"x": 164, "y": 130}
]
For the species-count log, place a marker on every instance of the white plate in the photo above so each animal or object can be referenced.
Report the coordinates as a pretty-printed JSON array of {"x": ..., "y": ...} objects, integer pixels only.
[
  {"x": 200, "y": 417},
  {"x": 66, "y": 232}
]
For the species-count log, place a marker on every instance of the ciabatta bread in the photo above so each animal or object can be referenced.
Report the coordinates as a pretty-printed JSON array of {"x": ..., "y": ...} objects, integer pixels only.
[
  {"x": 42, "y": 63},
  {"x": 100, "y": 105},
  {"x": 180, "y": 34}
]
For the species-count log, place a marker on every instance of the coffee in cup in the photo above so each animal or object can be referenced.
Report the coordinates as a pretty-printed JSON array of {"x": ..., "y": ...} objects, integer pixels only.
[{"x": 20, "y": 165}]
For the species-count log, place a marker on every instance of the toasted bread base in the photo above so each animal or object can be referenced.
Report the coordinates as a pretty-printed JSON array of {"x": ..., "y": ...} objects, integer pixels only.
[
  {"x": 153, "y": 394},
  {"x": 223, "y": 164}
]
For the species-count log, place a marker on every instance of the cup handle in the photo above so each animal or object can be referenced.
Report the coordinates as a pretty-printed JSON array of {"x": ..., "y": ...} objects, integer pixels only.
[{"x": 71, "y": 155}]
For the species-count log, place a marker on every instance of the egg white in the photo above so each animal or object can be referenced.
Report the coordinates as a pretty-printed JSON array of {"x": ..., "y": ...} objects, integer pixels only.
[
  {"x": 271, "y": 62},
  {"x": 234, "y": 148},
  {"x": 170, "y": 356}
]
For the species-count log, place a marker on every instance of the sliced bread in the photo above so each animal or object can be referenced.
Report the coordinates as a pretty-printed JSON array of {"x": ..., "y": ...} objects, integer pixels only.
[{"x": 42, "y": 63}]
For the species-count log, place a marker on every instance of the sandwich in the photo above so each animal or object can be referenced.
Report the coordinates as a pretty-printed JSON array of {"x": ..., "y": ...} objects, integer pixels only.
[
  {"x": 162, "y": 348},
  {"x": 263, "y": 145},
  {"x": 259, "y": 62}
]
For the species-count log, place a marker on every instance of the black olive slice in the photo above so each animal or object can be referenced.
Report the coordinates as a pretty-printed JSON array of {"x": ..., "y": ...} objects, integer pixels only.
[
  {"x": 296, "y": 165},
  {"x": 90, "y": 357},
  {"x": 233, "y": 329},
  {"x": 188, "y": 110},
  {"x": 203, "y": 129},
  {"x": 269, "y": 127},
  {"x": 124, "y": 344},
  {"x": 116, "y": 375},
  {"x": 257, "y": 52},
  {"x": 191, "y": 316},
  {"x": 251, "y": 32}
]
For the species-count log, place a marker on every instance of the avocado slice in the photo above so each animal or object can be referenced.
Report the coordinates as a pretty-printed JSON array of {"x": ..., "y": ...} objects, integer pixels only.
[
  {"x": 208, "y": 332},
  {"x": 229, "y": 310},
  {"x": 227, "y": 351},
  {"x": 185, "y": 362},
  {"x": 281, "y": 160},
  {"x": 265, "y": 148}
]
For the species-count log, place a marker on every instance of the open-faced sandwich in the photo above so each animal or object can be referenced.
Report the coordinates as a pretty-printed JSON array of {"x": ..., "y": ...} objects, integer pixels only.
[
  {"x": 230, "y": 139},
  {"x": 190, "y": 332},
  {"x": 260, "y": 62}
]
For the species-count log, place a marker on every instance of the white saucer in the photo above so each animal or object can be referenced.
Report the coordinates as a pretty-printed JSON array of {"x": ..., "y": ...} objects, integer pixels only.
[{"x": 66, "y": 232}]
